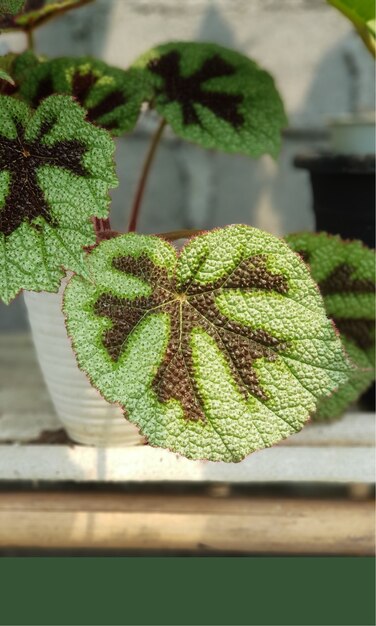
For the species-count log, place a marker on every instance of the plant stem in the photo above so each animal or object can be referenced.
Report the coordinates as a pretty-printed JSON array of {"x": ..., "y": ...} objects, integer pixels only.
[
  {"x": 144, "y": 176},
  {"x": 30, "y": 39},
  {"x": 101, "y": 225}
]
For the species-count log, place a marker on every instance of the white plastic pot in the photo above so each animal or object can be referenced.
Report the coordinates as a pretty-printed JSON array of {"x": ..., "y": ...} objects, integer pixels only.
[
  {"x": 353, "y": 134},
  {"x": 86, "y": 416}
]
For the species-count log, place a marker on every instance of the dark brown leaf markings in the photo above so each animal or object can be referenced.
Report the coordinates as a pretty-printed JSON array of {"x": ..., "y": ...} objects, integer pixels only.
[
  {"x": 45, "y": 88},
  {"x": 190, "y": 90},
  {"x": 305, "y": 255},
  {"x": 361, "y": 331},
  {"x": 82, "y": 83},
  {"x": 339, "y": 281},
  {"x": 358, "y": 330},
  {"x": 190, "y": 307},
  {"x": 25, "y": 200}
]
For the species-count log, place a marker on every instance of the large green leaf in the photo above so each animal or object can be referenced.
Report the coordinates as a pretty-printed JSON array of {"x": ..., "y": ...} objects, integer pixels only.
[
  {"x": 55, "y": 173},
  {"x": 36, "y": 12},
  {"x": 345, "y": 273},
  {"x": 214, "y": 353},
  {"x": 112, "y": 97},
  {"x": 215, "y": 97}
]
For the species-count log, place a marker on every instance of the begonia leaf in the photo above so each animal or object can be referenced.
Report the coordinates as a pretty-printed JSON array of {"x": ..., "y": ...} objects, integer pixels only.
[
  {"x": 215, "y": 97},
  {"x": 345, "y": 273},
  {"x": 23, "y": 64},
  {"x": 55, "y": 173},
  {"x": 10, "y": 7},
  {"x": 37, "y": 12},
  {"x": 215, "y": 352},
  {"x": 7, "y": 82},
  {"x": 5, "y": 78},
  {"x": 111, "y": 96}
]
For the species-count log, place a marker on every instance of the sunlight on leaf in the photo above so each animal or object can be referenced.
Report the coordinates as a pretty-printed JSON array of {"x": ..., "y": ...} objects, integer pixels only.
[{"x": 214, "y": 353}]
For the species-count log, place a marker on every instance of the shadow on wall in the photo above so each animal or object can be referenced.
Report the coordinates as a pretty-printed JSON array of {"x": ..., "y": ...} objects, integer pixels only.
[
  {"x": 207, "y": 188},
  {"x": 343, "y": 82}
]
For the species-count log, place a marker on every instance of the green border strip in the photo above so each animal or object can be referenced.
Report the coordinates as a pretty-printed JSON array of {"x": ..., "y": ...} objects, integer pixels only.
[{"x": 197, "y": 590}]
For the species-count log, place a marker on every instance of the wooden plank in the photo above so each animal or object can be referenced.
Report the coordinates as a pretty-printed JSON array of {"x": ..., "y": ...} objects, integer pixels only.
[
  {"x": 157, "y": 522},
  {"x": 146, "y": 464}
]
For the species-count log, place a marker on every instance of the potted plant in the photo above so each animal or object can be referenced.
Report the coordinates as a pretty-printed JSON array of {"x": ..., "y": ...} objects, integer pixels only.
[{"x": 215, "y": 351}]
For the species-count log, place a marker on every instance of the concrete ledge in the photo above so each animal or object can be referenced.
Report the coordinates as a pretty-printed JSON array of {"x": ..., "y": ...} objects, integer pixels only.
[
  {"x": 340, "y": 452},
  {"x": 317, "y": 464}
]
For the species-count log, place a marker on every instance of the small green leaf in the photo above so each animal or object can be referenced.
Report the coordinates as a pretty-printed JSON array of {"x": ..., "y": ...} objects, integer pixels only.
[
  {"x": 362, "y": 14},
  {"x": 214, "y": 353},
  {"x": 55, "y": 172},
  {"x": 215, "y": 97},
  {"x": 5, "y": 76},
  {"x": 36, "y": 12},
  {"x": 111, "y": 96},
  {"x": 7, "y": 82},
  {"x": 10, "y": 7},
  {"x": 345, "y": 273}
]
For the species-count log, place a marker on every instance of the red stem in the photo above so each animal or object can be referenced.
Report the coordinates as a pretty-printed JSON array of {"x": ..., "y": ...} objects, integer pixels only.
[
  {"x": 144, "y": 176},
  {"x": 101, "y": 225}
]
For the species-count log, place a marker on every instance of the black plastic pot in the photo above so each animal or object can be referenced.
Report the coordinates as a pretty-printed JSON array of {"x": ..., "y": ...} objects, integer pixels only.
[
  {"x": 343, "y": 190},
  {"x": 343, "y": 194}
]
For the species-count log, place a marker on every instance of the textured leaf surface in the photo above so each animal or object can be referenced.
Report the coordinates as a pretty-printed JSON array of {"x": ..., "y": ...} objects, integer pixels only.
[
  {"x": 55, "y": 172},
  {"x": 36, "y": 12},
  {"x": 111, "y": 96},
  {"x": 23, "y": 64},
  {"x": 345, "y": 273},
  {"x": 215, "y": 97},
  {"x": 214, "y": 353},
  {"x": 10, "y": 7}
]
